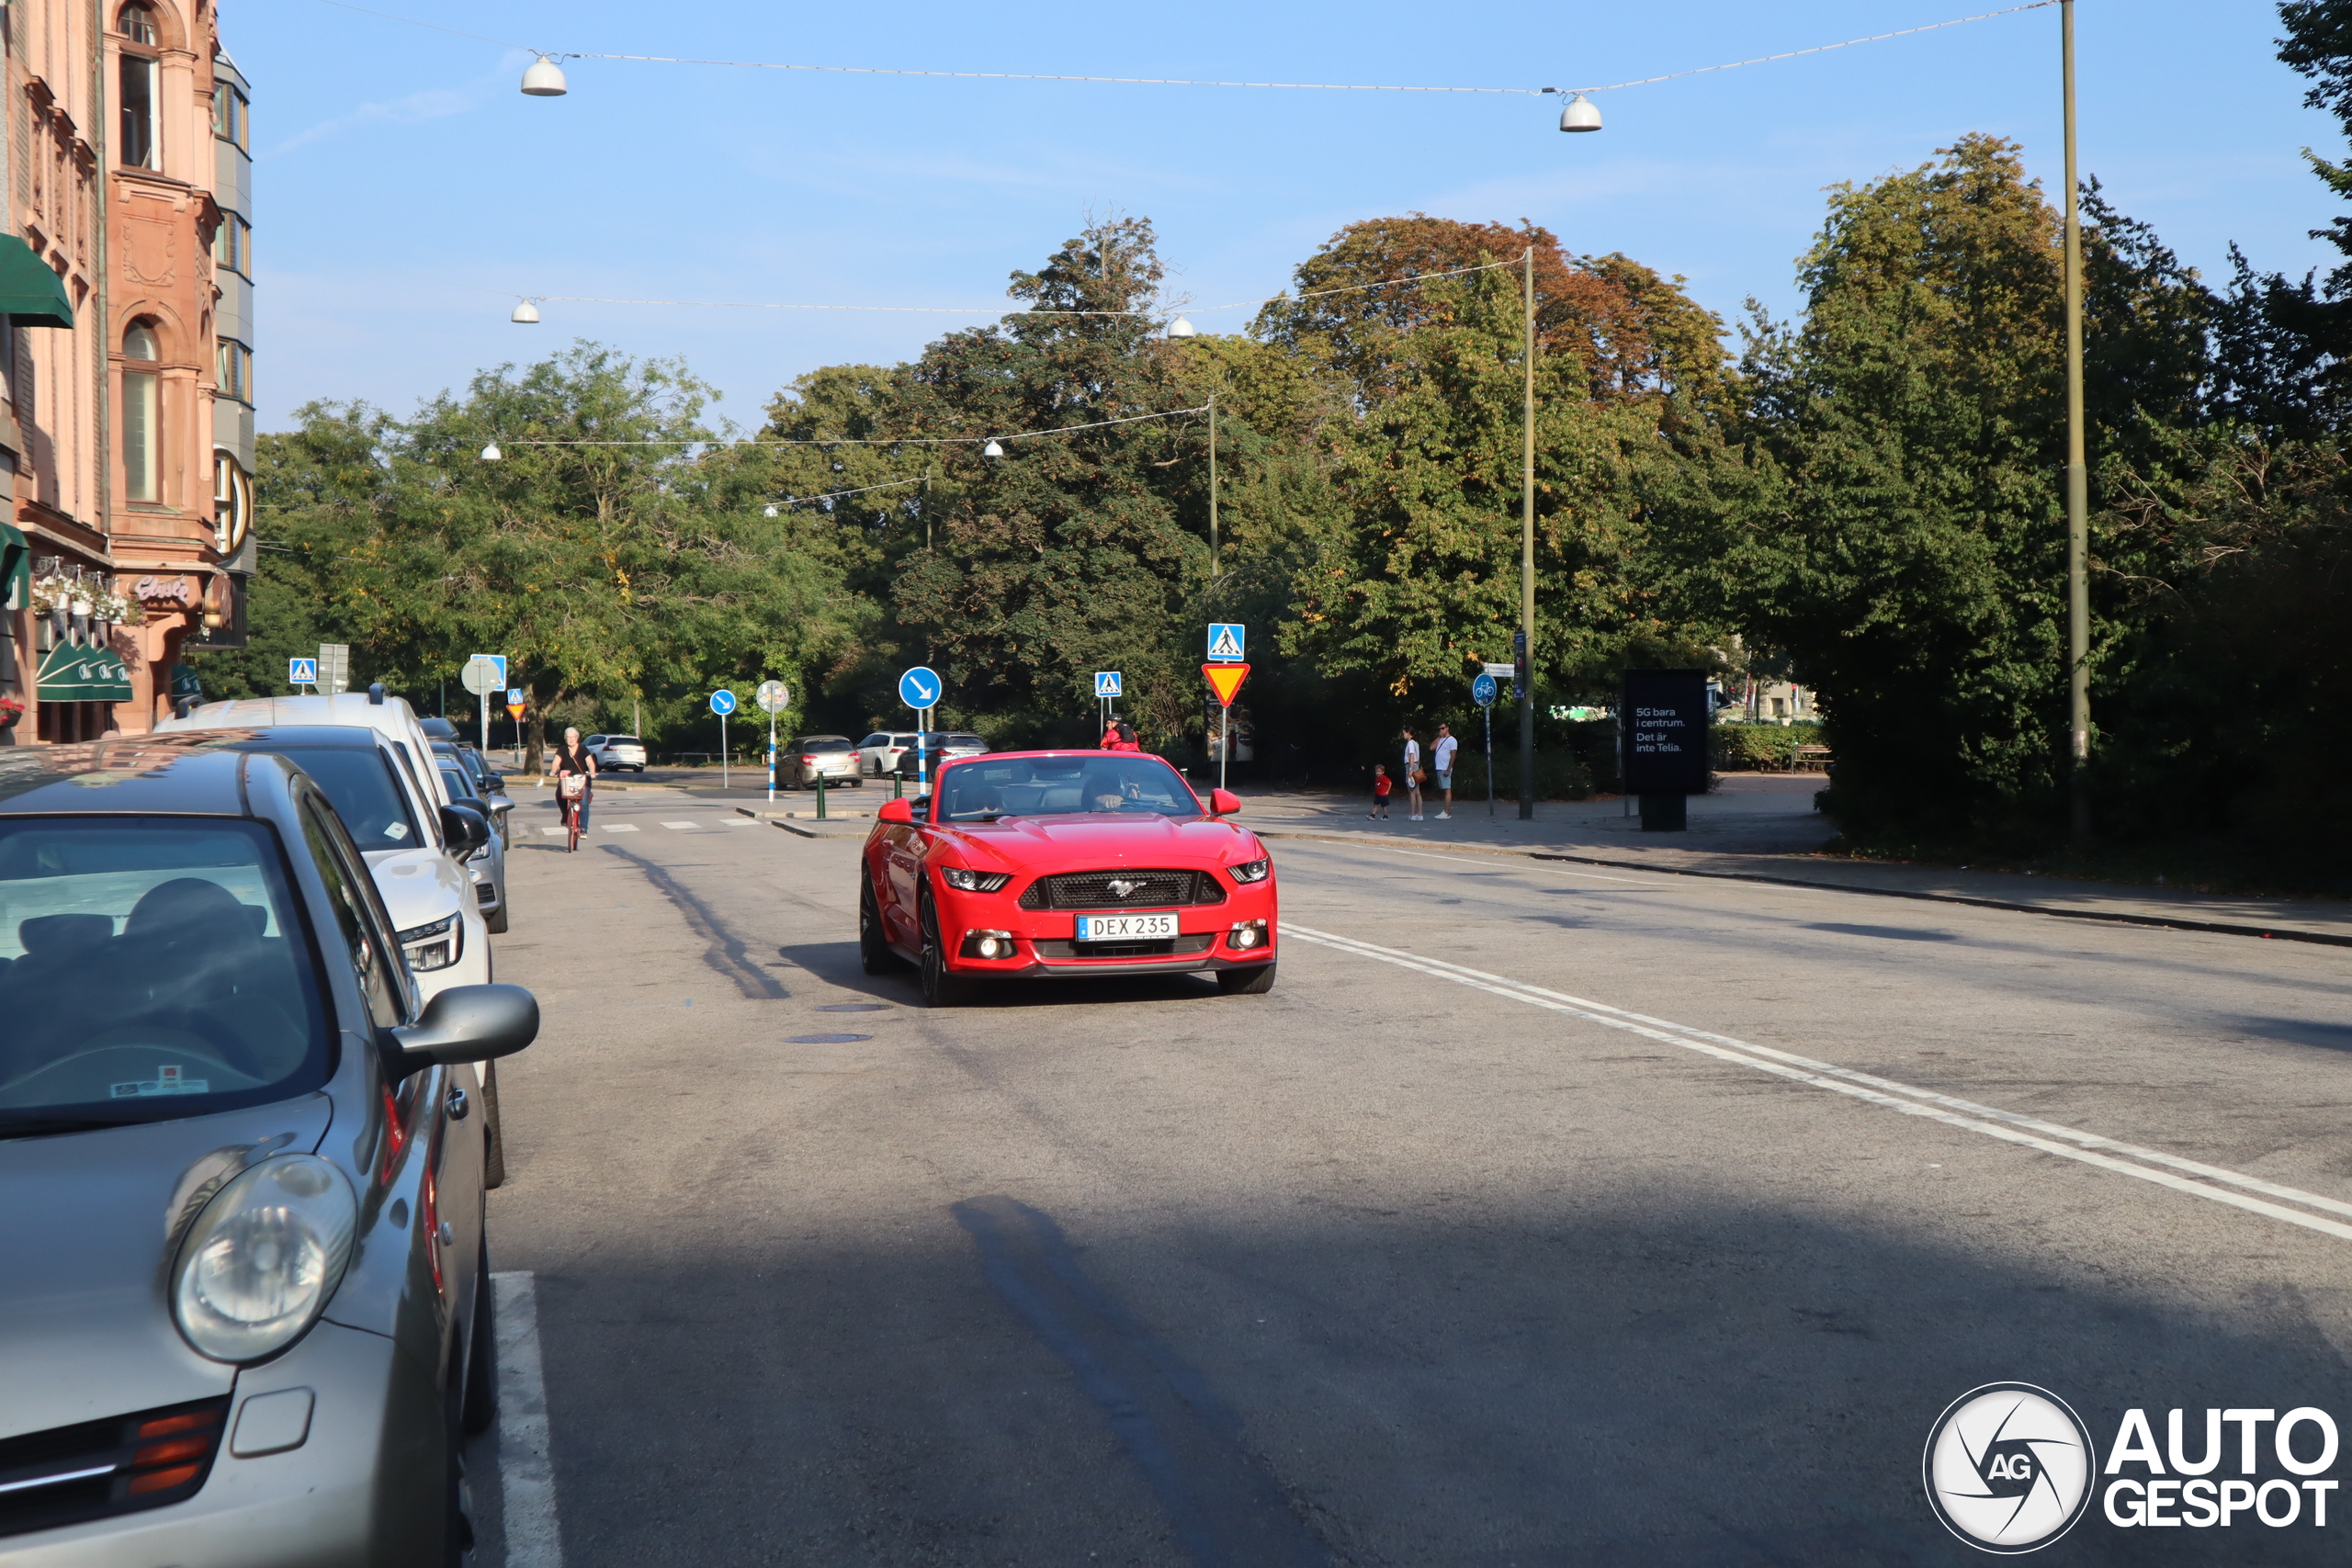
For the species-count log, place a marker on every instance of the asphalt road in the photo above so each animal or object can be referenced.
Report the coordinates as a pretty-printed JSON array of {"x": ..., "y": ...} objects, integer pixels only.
[{"x": 1539, "y": 1215}]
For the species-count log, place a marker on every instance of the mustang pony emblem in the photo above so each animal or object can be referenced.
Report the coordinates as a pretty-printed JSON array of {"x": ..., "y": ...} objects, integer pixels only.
[{"x": 1120, "y": 889}]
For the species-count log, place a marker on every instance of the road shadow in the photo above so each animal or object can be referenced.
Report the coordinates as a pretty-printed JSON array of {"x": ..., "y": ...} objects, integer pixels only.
[
  {"x": 1887, "y": 933},
  {"x": 1613, "y": 1378},
  {"x": 836, "y": 964}
]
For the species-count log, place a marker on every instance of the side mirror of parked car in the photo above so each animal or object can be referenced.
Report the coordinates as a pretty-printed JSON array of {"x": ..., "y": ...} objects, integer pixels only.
[
  {"x": 500, "y": 807},
  {"x": 464, "y": 828},
  {"x": 466, "y": 1023},
  {"x": 494, "y": 783},
  {"x": 1224, "y": 802},
  {"x": 896, "y": 811}
]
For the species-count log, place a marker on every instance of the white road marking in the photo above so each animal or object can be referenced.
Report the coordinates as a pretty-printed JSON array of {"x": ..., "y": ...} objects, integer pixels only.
[
  {"x": 682, "y": 824},
  {"x": 2050, "y": 1137},
  {"x": 553, "y": 832},
  {"x": 1557, "y": 871},
  {"x": 620, "y": 827},
  {"x": 525, "y": 1469}
]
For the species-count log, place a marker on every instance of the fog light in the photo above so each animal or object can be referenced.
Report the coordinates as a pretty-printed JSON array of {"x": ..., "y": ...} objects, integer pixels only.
[
  {"x": 988, "y": 947},
  {"x": 988, "y": 944},
  {"x": 1245, "y": 935}
]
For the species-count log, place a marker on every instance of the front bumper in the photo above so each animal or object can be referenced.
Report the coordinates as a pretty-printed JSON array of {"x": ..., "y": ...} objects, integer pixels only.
[
  {"x": 1042, "y": 945},
  {"x": 364, "y": 1486}
]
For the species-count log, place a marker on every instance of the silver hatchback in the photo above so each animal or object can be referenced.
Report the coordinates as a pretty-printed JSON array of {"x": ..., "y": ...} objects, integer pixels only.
[{"x": 247, "y": 1318}]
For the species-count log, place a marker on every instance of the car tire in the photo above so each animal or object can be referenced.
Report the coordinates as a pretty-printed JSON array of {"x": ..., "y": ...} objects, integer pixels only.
[
  {"x": 874, "y": 954},
  {"x": 458, "y": 1507},
  {"x": 1246, "y": 982},
  {"x": 494, "y": 1133},
  {"x": 496, "y": 920},
  {"x": 480, "y": 1410},
  {"x": 940, "y": 989}
]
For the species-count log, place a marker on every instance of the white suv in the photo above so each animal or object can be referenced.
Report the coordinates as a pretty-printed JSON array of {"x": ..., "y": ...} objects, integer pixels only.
[
  {"x": 614, "y": 752},
  {"x": 427, "y": 891}
]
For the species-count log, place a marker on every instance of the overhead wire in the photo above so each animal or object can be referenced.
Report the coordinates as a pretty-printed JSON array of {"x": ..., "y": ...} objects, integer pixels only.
[{"x": 1185, "y": 80}]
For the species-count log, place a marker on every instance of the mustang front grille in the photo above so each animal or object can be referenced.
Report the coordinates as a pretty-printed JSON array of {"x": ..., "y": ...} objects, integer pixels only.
[
  {"x": 70, "y": 1475},
  {"x": 1144, "y": 890}
]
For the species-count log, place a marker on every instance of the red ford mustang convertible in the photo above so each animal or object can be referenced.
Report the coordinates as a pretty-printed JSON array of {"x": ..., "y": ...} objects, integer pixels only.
[{"x": 1026, "y": 863}]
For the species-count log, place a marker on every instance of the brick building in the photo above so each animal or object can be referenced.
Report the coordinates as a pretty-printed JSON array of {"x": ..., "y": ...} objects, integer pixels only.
[{"x": 126, "y": 359}]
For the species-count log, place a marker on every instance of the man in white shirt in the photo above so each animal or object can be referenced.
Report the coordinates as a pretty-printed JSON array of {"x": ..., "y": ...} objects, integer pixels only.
[
  {"x": 1412, "y": 774},
  {"x": 1441, "y": 764}
]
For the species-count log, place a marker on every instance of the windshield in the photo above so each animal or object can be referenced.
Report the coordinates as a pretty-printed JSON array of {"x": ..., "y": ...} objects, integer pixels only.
[
  {"x": 1064, "y": 786},
  {"x": 150, "y": 969},
  {"x": 361, "y": 788},
  {"x": 461, "y": 787}
]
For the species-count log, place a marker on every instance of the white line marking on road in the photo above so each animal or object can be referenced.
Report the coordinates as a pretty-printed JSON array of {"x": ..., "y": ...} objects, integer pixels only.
[
  {"x": 552, "y": 833},
  {"x": 682, "y": 824},
  {"x": 620, "y": 827},
  {"x": 2050, "y": 1137},
  {"x": 1557, "y": 871},
  {"x": 525, "y": 1467}
]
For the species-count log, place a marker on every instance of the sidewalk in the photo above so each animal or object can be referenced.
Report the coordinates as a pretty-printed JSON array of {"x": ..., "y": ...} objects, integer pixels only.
[{"x": 1762, "y": 827}]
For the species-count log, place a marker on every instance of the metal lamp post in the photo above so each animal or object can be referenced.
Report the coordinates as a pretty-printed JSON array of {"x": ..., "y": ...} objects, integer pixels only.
[
  {"x": 1527, "y": 561},
  {"x": 2078, "y": 505}
]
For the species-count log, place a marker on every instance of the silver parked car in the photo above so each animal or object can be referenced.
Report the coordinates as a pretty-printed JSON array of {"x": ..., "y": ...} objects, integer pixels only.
[
  {"x": 798, "y": 765},
  {"x": 486, "y": 866},
  {"x": 614, "y": 752},
  {"x": 248, "y": 1316},
  {"x": 883, "y": 753}
]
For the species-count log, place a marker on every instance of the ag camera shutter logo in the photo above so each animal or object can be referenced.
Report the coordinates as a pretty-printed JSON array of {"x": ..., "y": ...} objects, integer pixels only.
[{"x": 2008, "y": 1467}]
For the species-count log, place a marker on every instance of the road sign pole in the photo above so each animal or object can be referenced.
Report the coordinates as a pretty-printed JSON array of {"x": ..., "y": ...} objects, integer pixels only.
[
  {"x": 1489, "y": 712},
  {"x": 1224, "y": 741},
  {"x": 771, "y": 758}
]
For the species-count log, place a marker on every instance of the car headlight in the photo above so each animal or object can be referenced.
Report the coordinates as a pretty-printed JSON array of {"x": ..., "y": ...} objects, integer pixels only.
[
  {"x": 262, "y": 1259},
  {"x": 433, "y": 946},
  {"x": 1253, "y": 870},
  {"x": 974, "y": 881}
]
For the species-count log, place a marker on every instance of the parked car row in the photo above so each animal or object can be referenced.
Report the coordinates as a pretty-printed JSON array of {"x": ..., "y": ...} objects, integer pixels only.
[
  {"x": 882, "y": 754},
  {"x": 244, "y": 988}
]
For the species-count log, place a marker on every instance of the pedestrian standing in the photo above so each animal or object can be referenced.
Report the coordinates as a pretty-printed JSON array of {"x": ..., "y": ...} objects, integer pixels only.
[
  {"x": 1413, "y": 774},
  {"x": 1442, "y": 762},
  {"x": 1380, "y": 787}
]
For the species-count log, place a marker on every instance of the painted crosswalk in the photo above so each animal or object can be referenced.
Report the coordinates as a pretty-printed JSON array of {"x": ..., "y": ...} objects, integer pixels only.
[{"x": 558, "y": 832}]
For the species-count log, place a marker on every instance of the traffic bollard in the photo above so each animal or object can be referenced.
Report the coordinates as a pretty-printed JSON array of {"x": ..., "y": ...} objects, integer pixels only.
[{"x": 820, "y": 797}]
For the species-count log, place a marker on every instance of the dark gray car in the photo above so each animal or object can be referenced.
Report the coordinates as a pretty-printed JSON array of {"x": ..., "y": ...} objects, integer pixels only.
[{"x": 246, "y": 1316}]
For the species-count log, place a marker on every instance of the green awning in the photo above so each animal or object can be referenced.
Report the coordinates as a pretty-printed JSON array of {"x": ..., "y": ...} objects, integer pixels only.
[
  {"x": 30, "y": 294},
  {"x": 16, "y": 569},
  {"x": 71, "y": 674}
]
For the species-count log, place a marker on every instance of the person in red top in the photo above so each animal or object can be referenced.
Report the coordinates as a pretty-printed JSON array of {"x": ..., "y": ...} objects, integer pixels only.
[
  {"x": 1380, "y": 787},
  {"x": 1120, "y": 737}
]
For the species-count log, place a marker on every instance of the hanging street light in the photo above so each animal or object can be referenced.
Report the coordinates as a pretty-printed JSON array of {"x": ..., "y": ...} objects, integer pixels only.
[
  {"x": 1179, "y": 327},
  {"x": 991, "y": 449},
  {"x": 526, "y": 314},
  {"x": 1580, "y": 115},
  {"x": 491, "y": 453},
  {"x": 544, "y": 79}
]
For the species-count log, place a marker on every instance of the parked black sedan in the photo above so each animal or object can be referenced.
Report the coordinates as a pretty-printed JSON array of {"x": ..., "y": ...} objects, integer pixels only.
[{"x": 247, "y": 1316}]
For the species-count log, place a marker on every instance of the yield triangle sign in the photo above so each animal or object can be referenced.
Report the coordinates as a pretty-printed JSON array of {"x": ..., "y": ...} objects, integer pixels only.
[{"x": 1225, "y": 680}]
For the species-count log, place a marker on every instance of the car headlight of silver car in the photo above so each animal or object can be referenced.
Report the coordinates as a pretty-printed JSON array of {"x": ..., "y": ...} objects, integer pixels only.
[
  {"x": 261, "y": 1261},
  {"x": 1250, "y": 871},
  {"x": 974, "y": 881},
  {"x": 433, "y": 946}
]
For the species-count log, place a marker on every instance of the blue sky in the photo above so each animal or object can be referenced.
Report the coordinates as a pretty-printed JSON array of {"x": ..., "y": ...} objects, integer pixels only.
[{"x": 406, "y": 191}]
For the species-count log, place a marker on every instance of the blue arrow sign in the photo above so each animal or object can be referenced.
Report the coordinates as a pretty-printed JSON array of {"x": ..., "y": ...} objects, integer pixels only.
[
  {"x": 301, "y": 672},
  {"x": 1482, "y": 691},
  {"x": 1106, "y": 683},
  {"x": 1226, "y": 642},
  {"x": 920, "y": 687},
  {"x": 722, "y": 703}
]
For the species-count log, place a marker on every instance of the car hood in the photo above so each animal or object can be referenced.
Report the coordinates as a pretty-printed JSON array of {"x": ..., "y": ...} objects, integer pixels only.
[
  {"x": 419, "y": 885},
  {"x": 1045, "y": 843},
  {"x": 85, "y": 1330}
]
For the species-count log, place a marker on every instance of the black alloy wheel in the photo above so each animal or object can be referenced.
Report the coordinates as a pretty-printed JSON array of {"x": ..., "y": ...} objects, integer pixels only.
[
  {"x": 479, "y": 1407},
  {"x": 1246, "y": 982},
  {"x": 940, "y": 989},
  {"x": 874, "y": 954}
]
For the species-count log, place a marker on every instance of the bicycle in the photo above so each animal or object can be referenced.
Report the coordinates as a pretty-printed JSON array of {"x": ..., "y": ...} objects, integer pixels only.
[{"x": 571, "y": 793}]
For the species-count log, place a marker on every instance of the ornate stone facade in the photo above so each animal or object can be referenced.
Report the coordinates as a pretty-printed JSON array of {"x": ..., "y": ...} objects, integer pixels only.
[{"x": 125, "y": 439}]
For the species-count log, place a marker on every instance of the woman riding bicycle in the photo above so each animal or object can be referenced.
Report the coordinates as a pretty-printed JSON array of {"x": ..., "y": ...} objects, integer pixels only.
[{"x": 575, "y": 784}]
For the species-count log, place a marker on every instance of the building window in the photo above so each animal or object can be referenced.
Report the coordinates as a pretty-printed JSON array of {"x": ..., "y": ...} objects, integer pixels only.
[
  {"x": 229, "y": 112},
  {"x": 236, "y": 370},
  {"x": 142, "y": 431},
  {"x": 137, "y": 25},
  {"x": 233, "y": 247}
]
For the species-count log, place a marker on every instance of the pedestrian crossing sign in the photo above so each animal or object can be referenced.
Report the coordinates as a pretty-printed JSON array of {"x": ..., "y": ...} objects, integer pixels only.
[
  {"x": 1107, "y": 683},
  {"x": 1225, "y": 639},
  {"x": 301, "y": 672}
]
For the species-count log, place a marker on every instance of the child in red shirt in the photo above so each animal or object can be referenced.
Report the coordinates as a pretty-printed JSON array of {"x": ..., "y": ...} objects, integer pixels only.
[{"x": 1380, "y": 787}]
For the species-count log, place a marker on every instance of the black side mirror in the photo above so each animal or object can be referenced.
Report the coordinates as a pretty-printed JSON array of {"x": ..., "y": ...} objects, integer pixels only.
[
  {"x": 494, "y": 783},
  {"x": 464, "y": 828},
  {"x": 464, "y": 1023}
]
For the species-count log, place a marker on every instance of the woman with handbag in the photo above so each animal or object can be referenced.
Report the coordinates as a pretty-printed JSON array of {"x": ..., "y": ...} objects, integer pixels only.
[{"x": 575, "y": 775}]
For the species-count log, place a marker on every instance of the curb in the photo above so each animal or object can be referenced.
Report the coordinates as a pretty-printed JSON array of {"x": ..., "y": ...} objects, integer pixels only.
[{"x": 2159, "y": 922}]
